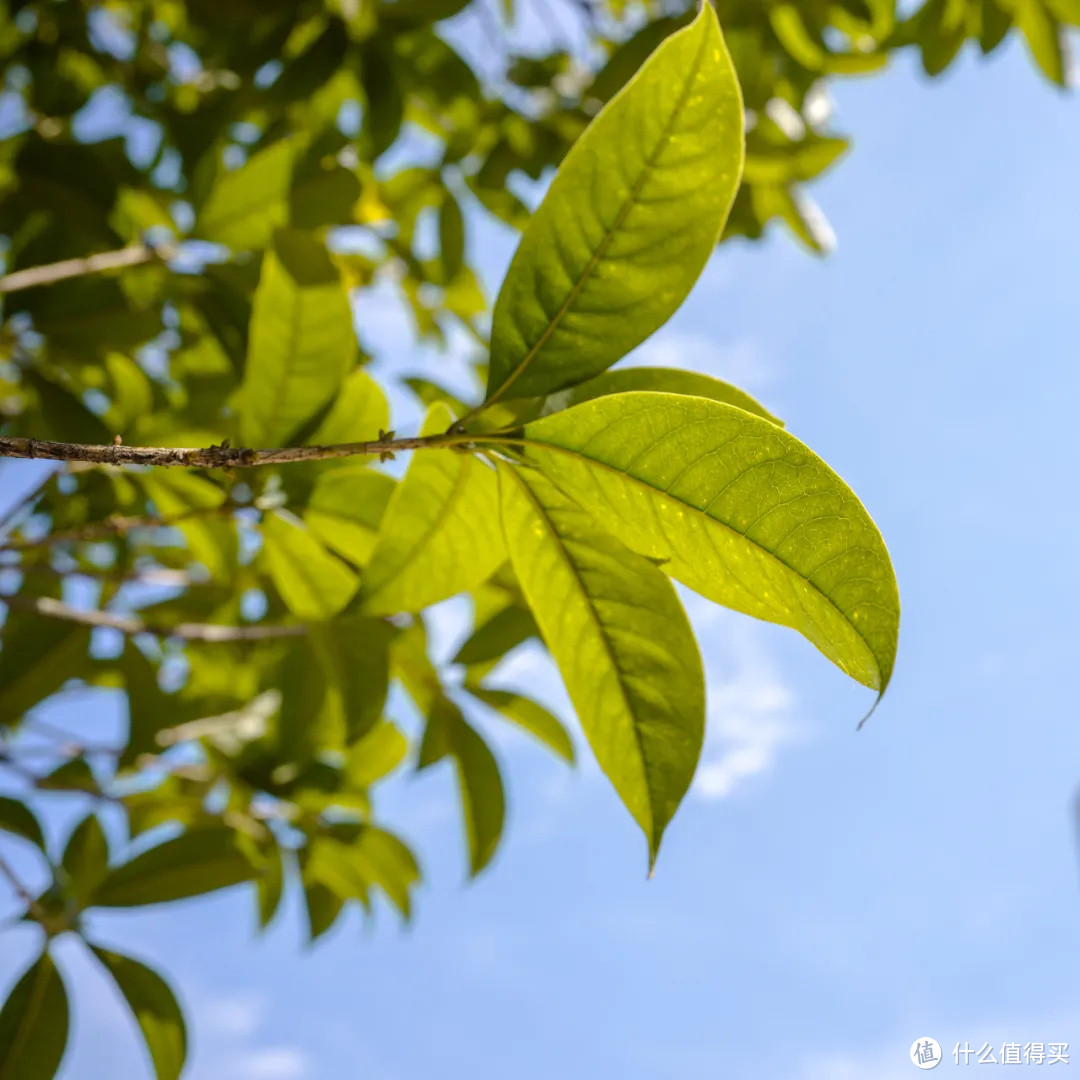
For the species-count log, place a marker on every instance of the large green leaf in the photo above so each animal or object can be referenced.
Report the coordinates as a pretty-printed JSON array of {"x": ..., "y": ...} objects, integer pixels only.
[
  {"x": 301, "y": 343},
  {"x": 439, "y": 535},
  {"x": 660, "y": 379},
  {"x": 622, "y": 641},
  {"x": 346, "y": 507},
  {"x": 628, "y": 223},
  {"x": 155, "y": 1010},
  {"x": 737, "y": 509},
  {"x": 358, "y": 414},
  {"x": 247, "y": 204},
  {"x": 195, "y": 862},
  {"x": 313, "y": 583},
  {"x": 34, "y": 1024}
]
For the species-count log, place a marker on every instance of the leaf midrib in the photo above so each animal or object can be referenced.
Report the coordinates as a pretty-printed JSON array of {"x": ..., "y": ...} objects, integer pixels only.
[
  {"x": 716, "y": 521},
  {"x": 609, "y": 234},
  {"x": 553, "y": 532}
]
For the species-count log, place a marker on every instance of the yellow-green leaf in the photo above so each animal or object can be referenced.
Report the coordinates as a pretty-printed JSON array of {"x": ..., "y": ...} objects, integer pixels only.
[
  {"x": 313, "y": 583},
  {"x": 622, "y": 641},
  {"x": 628, "y": 223},
  {"x": 738, "y": 510},
  {"x": 301, "y": 342},
  {"x": 440, "y": 534}
]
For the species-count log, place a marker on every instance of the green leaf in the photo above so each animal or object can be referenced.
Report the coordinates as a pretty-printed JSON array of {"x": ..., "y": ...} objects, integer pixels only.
[
  {"x": 662, "y": 380},
  {"x": 375, "y": 755},
  {"x": 270, "y": 885},
  {"x": 301, "y": 342},
  {"x": 323, "y": 907},
  {"x": 624, "y": 646},
  {"x": 483, "y": 804},
  {"x": 439, "y": 535},
  {"x": 505, "y": 630},
  {"x": 155, "y": 1009},
  {"x": 628, "y": 223},
  {"x": 1044, "y": 37},
  {"x": 19, "y": 820},
  {"x": 34, "y": 1024},
  {"x": 358, "y": 414},
  {"x": 86, "y": 858},
  {"x": 38, "y": 657},
  {"x": 334, "y": 689},
  {"x": 738, "y": 510},
  {"x": 195, "y": 862},
  {"x": 246, "y": 205},
  {"x": 530, "y": 716},
  {"x": 313, "y": 583},
  {"x": 451, "y": 237},
  {"x": 345, "y": 509}
]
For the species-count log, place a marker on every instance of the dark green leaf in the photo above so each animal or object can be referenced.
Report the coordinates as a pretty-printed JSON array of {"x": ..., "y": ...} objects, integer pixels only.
[
  {"x": 193, "y": 863},
  {"x": 34, "y": 1024},
  {"x": 18, "y": 819},
  {"x": 155, "y": 1009}
]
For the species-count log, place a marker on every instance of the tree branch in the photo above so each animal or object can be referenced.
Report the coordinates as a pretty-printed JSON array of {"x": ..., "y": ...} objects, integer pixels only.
[
  {"x": 214, "y": 457},
  {"x": 135, "y": 255},
  {"x": 132, "y": 624}
]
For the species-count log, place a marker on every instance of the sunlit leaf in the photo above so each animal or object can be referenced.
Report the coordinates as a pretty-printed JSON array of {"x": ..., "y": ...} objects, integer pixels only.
[
  {"x": 623, "y": 644},
  {"x": 301, "y": 343},
  {"x": 737, "y": 509},
  {"x": 313, "y": 583},
  {"x": 439, "y": 535},
  {"x": 628, "y": 223}
]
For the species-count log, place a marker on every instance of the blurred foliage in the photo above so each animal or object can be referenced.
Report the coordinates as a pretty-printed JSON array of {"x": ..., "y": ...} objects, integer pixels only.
[{"x": 273, "y": 158}]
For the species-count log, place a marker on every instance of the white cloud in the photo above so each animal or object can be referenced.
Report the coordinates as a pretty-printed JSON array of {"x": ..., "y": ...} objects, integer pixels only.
[
  {"x": 233, "y": 1017},
  {"x": 269, "y": 1063},
  {"x": 751, "y": 709}
]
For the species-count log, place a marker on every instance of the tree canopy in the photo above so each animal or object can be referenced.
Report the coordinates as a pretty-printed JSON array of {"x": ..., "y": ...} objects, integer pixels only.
[{"x": 191, "y": 195}]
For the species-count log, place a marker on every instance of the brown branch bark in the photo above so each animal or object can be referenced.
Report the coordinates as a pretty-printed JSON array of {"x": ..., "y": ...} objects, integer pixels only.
[
  {"x": 213, "y": 457},
  {"x": 132, "y": 624},
  {"x": 135, "y": 255}
]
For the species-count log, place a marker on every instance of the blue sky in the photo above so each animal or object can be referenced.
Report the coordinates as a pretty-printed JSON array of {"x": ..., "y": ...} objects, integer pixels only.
[{"x": 824, "y": 897}]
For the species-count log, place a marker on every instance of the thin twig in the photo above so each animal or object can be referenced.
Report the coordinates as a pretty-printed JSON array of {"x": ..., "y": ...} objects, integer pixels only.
[
  {"x": 214, "y": 457},
  {"x": 135, "y": 255},
  {"x": 132, "y": 624},
  {"x": 24, "y": 894}
]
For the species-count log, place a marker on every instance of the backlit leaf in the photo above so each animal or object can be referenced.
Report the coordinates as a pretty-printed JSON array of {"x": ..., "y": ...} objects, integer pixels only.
[
  {"x": 628, "y": 223},
  {"x": 301, "y": 342},
  {"x": 738, "y": 510},
  {"x": 313, "y": 583},
  {"x": 439, "y": 535},
  {"x": 624, "y": 646}
]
